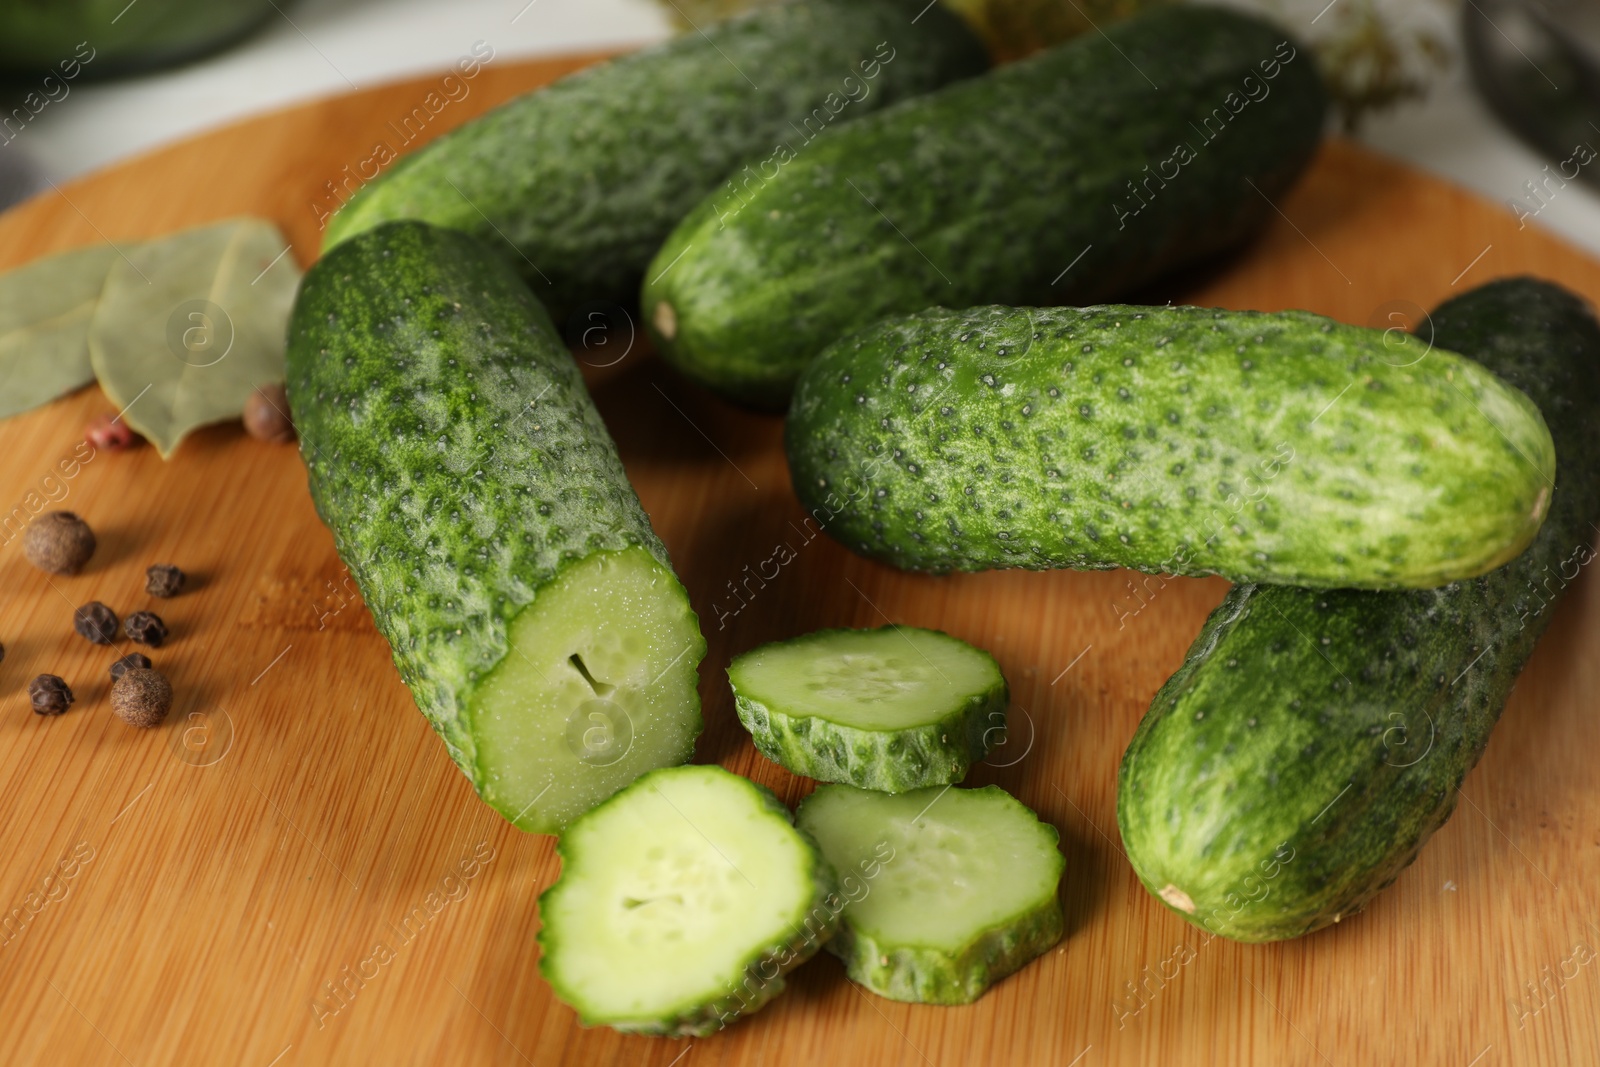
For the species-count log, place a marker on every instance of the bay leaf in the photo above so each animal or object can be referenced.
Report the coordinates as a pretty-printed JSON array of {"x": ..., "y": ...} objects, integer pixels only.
[
  {"x": 189, "y": 324},
  {"x": 45, "y": 308}
]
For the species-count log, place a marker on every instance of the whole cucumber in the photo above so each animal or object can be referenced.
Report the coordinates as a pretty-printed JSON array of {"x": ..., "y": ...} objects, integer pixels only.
[
  {"x": 480, "y": 505},
  {"x": 578, "y": 183},
  {"x": 1066, "y": 178},
  {"x": 1264, "y": 447},
  {"x": 1312, "y": 741}
]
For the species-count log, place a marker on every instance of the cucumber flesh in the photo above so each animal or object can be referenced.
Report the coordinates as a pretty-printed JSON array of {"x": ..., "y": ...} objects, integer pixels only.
[
  {"x": 885, "y": 679},
  {"x": 598, "y": 687},
  {"x": 894, "y": 709},
  {"x": 681, "y": 902},
  {"x": 949, "y": 890}
]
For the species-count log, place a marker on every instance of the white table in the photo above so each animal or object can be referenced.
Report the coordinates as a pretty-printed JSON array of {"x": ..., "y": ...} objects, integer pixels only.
[{"x": 327, "y": 46}]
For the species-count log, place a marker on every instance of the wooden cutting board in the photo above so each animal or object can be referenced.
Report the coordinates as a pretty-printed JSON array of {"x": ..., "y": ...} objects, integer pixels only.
[{"x": 217, "y": 891}]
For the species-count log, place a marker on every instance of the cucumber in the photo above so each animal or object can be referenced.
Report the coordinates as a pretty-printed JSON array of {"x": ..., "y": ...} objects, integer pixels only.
[
  {"x": 949, "y": 890},
  {"x": 580, "y": 182},
  {"x": 682, "y": 902},
  {"x": 1265, "y": 447},
  {"x": 895, "y": 708},
  {"x": 1041, "y": 183},
  {"x": 479, "y": 503},
  {"x": 66, "y": 39},
  {"x": 1312, "y": 741}
]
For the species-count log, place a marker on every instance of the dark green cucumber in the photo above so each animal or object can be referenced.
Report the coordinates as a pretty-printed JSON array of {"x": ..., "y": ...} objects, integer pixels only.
[
  {"x": 100, "y": 38},
  {"x": 584, "y": 179},
  {"x": 1312, "y": 741},
  {"x": 682, "y": 902},
  {"x": 1265, "y": 447},
  {"x": 949, "y": 890},
  {"x": 894, "y": 709},
  {"x": 1061, "y": 179},
  {"x": 479, "y": 503}
]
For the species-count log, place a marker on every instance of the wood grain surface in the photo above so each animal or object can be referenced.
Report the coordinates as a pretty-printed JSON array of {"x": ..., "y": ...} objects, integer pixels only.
[{"x": 216, "y": 891}]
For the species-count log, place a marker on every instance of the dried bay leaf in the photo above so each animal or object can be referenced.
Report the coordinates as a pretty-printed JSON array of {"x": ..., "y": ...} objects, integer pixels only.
[
  {"x": 191, "y": 323},
  {"x": 45, "y": 309}
]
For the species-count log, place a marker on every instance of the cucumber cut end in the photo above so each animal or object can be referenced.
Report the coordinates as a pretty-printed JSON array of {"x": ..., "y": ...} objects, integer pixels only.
[
  {"x": 681, "y": 902},
  {"x": 599, "y": 685}
]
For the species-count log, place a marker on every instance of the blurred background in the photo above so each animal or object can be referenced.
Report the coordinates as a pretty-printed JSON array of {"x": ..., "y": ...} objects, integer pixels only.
[{"x": 1487, "y": 93}]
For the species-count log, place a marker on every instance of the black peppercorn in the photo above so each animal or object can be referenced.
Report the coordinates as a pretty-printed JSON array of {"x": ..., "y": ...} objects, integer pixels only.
[
  {"x": 163, "y": 580},
  {"x": 133, "y": 661},
  {"x": 50, "y": 695},
  {"x": 96, "y": 622},
  {"x": 58, "y": 542},
  {"x": 141, "y": 697},
  {"x": 146, "y": 628}
]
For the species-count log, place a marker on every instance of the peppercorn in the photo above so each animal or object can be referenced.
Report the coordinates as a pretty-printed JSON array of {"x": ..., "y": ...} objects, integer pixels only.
[
  {"x": 50, "y": 695},
  {"x": 58, "y": 542},
  {"x": 266, "y": 414},
  {"x": 146, "y": 628},
  {"x": 96, "y": 622},
  {"x": 109, "y": 432},
  {"x": 141, "y": 697},
  {"x": 163, "y": 580},
  {"x": 132, "y": 661}
]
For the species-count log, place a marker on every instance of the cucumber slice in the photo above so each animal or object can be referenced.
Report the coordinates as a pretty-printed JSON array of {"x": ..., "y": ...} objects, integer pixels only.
[
  {"x": 948, "y": 890},
  {"x": 893, "y": 709},
  {"x": 682, "y": 901}
]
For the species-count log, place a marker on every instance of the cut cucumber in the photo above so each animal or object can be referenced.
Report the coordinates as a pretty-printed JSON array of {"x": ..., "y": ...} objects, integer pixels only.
[
  {"x": 949, "y": 890},
  {"x": 896, "y": 708},
  {"x": 482, "y": 509},
  {"x": 682, "y": 902}
]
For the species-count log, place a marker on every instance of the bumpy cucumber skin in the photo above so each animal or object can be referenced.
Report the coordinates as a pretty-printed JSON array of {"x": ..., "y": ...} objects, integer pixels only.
[
  {"x": 923, "y": 975},
  {"x": 1264, "y": 447},
  {"x": 414, "y": 355},
  {"x": 889, "y": 761},
  {"x": 986, "y": 191},
  {"x": 585, "y": 178},
  {"x": 929, "y": 976},
  {"x": 1312, "y": 741},
  {"x": 754, "y": 989}
]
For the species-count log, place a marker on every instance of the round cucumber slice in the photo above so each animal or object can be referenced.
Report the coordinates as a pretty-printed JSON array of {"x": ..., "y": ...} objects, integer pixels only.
[
  {"x": 948, "y": 890},
  {"x": 682, "y": 901},
  {"x": 892, "y": 709}
]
